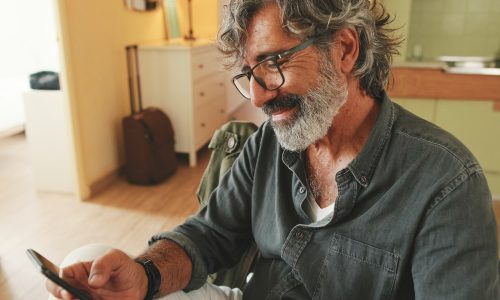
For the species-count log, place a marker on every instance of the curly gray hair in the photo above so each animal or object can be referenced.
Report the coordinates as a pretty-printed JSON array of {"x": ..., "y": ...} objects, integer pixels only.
[{"x": 322, "y": 18}]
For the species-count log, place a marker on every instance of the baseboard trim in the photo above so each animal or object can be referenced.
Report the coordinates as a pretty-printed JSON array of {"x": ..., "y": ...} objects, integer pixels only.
[
  {"x": 4, "y": 133},
  {"x": 103, "y": 183}
]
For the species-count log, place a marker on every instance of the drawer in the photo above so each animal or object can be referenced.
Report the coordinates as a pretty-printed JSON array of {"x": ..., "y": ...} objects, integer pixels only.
[
  {"x": 205, "y": 63},
  {"x": 208, "y": 118},
  {"x": 209, "y": 89}
]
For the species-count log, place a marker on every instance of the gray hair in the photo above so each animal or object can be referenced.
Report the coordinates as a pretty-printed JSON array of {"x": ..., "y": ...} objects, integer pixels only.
[{"x": 322, "y": 18}]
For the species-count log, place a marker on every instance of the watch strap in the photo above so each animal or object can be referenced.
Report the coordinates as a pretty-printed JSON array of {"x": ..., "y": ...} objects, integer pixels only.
[{"x": 154, "y": 277}]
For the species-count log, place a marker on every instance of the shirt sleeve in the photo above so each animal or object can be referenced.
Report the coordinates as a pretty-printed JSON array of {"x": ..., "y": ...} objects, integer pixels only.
[
  {"x": 217, "y": 236},
  {"x": 456, "y": 251}
]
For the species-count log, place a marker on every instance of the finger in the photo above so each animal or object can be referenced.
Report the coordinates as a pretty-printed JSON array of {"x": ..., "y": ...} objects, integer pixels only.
[
  {"x": 78, "y": 273},
  {"x": 66, "y": 295},
  {"x": 53, "y": 288},
  {"x": 104, "y": 266}
]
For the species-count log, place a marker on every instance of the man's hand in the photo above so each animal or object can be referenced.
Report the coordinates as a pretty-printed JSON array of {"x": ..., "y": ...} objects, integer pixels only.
[{"x": 112, "y": 276}]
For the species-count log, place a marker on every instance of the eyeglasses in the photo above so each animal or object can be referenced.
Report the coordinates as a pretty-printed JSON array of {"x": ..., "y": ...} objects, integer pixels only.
[{"x": 267, "y": 72}]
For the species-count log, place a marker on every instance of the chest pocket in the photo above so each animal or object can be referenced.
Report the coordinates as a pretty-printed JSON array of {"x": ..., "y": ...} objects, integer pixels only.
[{"x": 347, "y": 269}]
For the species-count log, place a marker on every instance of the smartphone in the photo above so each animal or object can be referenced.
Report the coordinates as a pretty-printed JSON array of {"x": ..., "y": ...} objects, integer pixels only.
[{"x": 51, "y": 271}]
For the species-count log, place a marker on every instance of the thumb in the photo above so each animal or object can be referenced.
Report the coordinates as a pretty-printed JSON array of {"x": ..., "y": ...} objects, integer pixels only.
[{"x": 103, "y": 267}]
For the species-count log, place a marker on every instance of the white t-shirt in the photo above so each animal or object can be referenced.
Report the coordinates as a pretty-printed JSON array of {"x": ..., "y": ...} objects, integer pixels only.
[{"x": 315, "y": 212}]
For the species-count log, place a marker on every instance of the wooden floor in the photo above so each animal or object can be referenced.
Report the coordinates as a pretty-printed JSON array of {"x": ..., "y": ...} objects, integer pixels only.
[{"x": 125, "y": 216}]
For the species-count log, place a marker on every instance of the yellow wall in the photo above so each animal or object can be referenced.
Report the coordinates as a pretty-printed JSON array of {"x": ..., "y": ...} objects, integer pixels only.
[
  {"x": 204, "y": 15},
  {"x": 94, "y": 34}
]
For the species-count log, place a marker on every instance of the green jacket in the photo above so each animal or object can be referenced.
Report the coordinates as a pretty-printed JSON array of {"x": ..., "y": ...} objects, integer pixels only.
[{"x": 226, "y": 144}]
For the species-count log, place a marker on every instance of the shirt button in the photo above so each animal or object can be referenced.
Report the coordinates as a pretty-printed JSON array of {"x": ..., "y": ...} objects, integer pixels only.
[
  {"x": 299, "y": 235},
  {"x": 302, "y": 190}
]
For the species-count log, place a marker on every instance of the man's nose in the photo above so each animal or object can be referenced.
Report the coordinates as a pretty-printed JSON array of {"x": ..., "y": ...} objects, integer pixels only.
[{"x": 259, "y": 95}]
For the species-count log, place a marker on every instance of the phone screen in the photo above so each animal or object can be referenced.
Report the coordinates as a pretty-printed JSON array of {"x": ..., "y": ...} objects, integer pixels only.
[{"x": 51, "y": 271}]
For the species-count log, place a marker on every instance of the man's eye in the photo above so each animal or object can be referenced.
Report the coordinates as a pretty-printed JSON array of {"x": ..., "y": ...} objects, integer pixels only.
[{"x": 272, "y": 64}]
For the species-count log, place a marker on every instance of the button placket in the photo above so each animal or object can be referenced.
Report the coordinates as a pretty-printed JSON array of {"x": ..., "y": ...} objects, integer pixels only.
[{"x": 297, "y": 240}]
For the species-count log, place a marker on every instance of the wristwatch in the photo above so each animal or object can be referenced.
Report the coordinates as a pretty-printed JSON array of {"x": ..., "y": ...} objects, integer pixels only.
[{"x": 154, "y": 277}]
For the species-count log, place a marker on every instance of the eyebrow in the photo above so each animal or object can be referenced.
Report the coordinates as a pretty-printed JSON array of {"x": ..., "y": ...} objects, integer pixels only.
[
  {"x": 260, "y": 58},
  {"x": 263, "y": 56}
]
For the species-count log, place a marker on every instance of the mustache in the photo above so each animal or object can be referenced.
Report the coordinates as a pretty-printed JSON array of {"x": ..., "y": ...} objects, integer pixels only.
[{"x": 282, "y": 102}]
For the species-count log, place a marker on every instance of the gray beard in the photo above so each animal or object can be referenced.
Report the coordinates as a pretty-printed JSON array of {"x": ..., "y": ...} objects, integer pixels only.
[{"x": 315, "y": 114}]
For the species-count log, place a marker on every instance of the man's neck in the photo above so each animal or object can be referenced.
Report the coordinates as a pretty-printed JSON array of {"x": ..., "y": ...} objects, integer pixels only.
[
  {"x": 350, "y": 128},
  {"x": 344, "y": 141}
]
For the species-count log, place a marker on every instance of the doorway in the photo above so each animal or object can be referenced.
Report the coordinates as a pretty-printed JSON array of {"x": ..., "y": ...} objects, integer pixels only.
[{"x": 29, "y": 31}]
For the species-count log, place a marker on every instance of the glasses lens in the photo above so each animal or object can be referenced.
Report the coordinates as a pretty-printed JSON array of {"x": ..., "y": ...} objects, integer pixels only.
[
  {"x": 268, "y": 75},
  {"x": 243, "y": 85}
]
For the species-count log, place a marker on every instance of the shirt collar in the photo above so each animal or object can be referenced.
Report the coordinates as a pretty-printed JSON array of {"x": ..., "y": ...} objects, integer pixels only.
[{"x": 363, "y": 166}]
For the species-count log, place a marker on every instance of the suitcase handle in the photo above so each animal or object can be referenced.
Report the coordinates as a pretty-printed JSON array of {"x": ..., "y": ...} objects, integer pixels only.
[{"x": 133, "y": 68}]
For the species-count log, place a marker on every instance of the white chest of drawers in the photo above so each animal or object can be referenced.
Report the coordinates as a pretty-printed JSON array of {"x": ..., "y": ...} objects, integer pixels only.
[{"x": 186, "y": 80}]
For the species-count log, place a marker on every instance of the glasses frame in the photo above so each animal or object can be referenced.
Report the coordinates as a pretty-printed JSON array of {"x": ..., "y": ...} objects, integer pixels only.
[{"x": 274, "y": 58}]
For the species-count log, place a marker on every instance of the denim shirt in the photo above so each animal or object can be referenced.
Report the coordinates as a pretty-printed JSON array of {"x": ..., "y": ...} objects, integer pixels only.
[{"x": 413, "y": 220}]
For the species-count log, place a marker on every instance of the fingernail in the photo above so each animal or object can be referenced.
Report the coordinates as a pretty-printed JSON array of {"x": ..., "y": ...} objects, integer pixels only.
[
  {"x": 94, "y": 278},
  {"x": 65, "y": 294}
]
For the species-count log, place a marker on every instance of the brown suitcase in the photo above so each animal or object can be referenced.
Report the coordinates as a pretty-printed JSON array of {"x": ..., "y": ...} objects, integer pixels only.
[{"x": 148, "y": 135}]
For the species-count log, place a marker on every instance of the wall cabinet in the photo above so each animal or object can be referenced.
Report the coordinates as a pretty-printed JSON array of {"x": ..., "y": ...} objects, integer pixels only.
[{"x": 187, "y": 81}]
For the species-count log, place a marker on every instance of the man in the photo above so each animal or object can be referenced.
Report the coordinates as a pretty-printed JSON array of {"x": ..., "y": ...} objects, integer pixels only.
[{"x": 347, "y": 195}]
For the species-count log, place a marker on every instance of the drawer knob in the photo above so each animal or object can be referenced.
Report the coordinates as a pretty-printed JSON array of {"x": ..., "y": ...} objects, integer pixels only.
[
  {"x": 200, "y": 66},
  {"x": 203, "y": 125},
  {"x": 202, "y": 94},
  {"x": 222, "y": 111}
]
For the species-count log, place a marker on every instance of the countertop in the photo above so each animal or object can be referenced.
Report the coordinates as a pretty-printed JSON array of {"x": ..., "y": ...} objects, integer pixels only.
[{"x": 451, "y": 70}]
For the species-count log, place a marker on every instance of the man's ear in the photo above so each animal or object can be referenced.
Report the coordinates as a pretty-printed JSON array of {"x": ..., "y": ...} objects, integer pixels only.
[{"x": 347, "y": 48}]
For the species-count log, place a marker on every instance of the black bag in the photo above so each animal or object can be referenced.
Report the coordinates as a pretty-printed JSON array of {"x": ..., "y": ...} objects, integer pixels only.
[
  {"x": 44, "y": 80},
  {"x": 148, "y": 136}
]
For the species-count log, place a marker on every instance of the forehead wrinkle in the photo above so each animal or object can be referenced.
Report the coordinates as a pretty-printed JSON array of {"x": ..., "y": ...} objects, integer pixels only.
[
  {"x": 303, "y": 58},
  {"x": 266, "y": 35}
]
